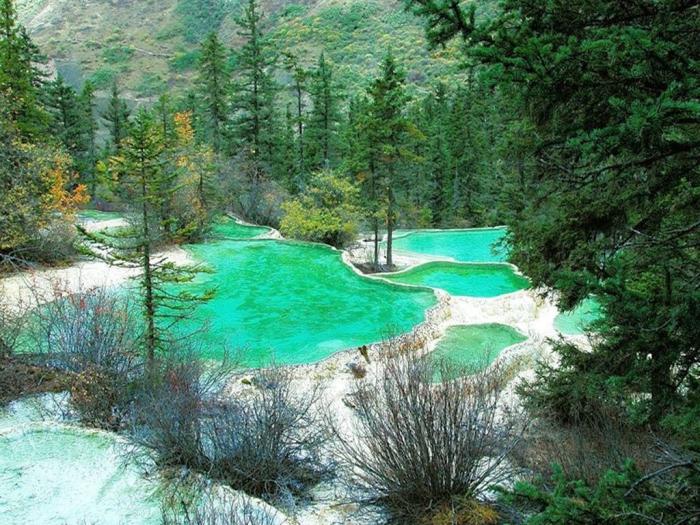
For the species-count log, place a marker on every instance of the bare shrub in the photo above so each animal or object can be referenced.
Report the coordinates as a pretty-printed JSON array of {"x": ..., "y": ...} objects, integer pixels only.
[
  {"x": 94, "y": 335},
  {"x": 88, "y": 329},
  {"x": 419, "y": 443},
  {"x": 176, "y": 397},
  {"x": 269, "y": 442},
  {"x": 587, "y": 449},
  {"x": 12, "y": 321}
]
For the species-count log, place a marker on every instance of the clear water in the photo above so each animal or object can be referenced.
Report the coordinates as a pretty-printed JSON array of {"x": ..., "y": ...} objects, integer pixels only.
[
  {"x": 473, "y": 280},
  {"x": 578, "y": 320},
  {"x": 295, "y": 302},
  {"x": 97, "y": 215},
  {"x": 475, "y": 245},
  {"x": 473, "y": 347},
  {"x": 58, "y": 474},
  {"x": 227, "y": 228}
]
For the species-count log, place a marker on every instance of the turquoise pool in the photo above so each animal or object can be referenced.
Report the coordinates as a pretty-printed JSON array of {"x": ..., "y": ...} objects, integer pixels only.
[
  {"x": 467, "y": 348},
  {"x": 578, "y": 320},
  {"x": 295, "y": 302},
  {"x": 51, "y": 473},
  {"x": 474, "y": 280},
  {"x": 474, "y": 245}
]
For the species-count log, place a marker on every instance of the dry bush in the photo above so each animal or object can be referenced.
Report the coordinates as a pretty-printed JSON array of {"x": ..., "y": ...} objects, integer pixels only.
[
  {"x": 88, "y": 329},
  {"x": 172, "y": 404},
  {"x": 94, "y": 335},
  {"x": 12, "y": 321},
  {"x": 418, "y": 443},
  {"x": 266, "y": 441},
  {"x": 269, "y": 443},
  {"x": 587, "y": 449}
]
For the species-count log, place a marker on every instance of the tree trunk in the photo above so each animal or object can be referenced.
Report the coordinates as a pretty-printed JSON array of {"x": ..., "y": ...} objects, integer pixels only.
[
  {"x": 390, "y": 229},
  {"x": 149, "y": 306},
  {"x": 376, "y": 244}
]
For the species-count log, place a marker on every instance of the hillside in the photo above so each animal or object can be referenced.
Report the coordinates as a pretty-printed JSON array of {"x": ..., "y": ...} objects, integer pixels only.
[{"x": 152, "y": 45}]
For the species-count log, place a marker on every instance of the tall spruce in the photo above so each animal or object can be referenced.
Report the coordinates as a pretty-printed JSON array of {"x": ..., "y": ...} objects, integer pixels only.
[
  {"x": 254, "y": 105},
  {"x": 255, "y": 86},
  {"x": 388, "y": 131},
  {"x": 324, "y": 117},
  {"x": 214, "y": 90},
  {"x": 141, "y": 168},
  {"x": 299, "y": 88},
  {"x": 88, "y": 157},
  {"x": 117, "y": 117},
  {"x": 19, "y": 77}
]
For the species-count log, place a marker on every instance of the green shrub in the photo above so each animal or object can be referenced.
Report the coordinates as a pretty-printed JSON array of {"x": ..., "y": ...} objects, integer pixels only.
[
  {"x": 151, "y": 84},
  {"x": 184, "y": 61},
  {"x": 622, "y": 497},
  {"x": 103, "y": 77},
  {"x": 117, "y": 54},
  {"x": 327, "y": 212}
]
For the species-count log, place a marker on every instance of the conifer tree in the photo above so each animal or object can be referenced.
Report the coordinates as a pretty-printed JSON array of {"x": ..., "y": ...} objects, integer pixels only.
[
  {"x": 299, "y": 78},
  {"x": 140, "y": 167},
  {"x": 360, "y": 156},
  {"x": 117, "y": 117},
  {"x": 387, "y": 130},
  {"x": 67, "y": 117},
  {"x": 19, "y": 79},
  {"x": 88, "y": 158},
  {"x": 324, "y": 118},
  {"x": 254, "y": 103},
  {"x": 214, "y": 91}
]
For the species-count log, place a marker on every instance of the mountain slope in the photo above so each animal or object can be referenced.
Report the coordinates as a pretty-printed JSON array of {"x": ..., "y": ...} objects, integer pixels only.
[{"x": 151, "y": 45}]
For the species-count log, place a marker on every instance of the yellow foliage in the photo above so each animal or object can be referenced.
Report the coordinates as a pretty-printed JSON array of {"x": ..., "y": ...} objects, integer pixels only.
[
  {"x": 183, "y": 127},
  {"x": 463, "y": 511},
  {"x": 59, "y": 198}
]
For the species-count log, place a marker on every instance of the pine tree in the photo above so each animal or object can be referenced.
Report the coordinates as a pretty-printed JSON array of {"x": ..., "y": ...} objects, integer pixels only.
[
  {"x": 67, "y": 117},
  {"x": 254, "y": 103},
  {"x": 88, "y": 158},
  {"x": 360, "y": 156},
  {"x": 19, "y": 79},
  {"x": 299, "y": 78},
  {"x": 286, "y": 163},
  {"x": 214, "y": 89},
  {"x": 117, "y": 117},
  {"x": 324, "y": 118},
  {"x": 388, "y": 129},
  {"x": 140, "y": 167}
]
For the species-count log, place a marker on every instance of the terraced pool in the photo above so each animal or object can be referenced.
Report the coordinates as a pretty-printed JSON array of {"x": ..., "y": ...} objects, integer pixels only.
[
  {"x": 51, "y": 473},
  {"x": 98, "y": 216},
  {"x": 470, "y": 347},
  {"x": 474, "y": 280},
  {"x": 474, "y": 245},
  {"x": 578, "y": 320},
  {"x": 295, "y": 302},
  {"x": 227, "y": 228}
]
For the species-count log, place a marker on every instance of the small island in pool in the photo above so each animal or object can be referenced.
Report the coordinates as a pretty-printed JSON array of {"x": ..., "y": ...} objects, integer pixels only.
[
  {"x": 472, "y": 347},
  {"x": 473, "y": 280}
]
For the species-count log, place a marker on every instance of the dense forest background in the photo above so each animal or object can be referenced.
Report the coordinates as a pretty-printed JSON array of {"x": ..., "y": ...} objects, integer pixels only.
[{"x": 576, "y": 124}]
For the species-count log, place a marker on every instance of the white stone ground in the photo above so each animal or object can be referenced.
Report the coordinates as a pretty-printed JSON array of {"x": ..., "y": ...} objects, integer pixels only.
[{"x": 526, "y": 310}]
